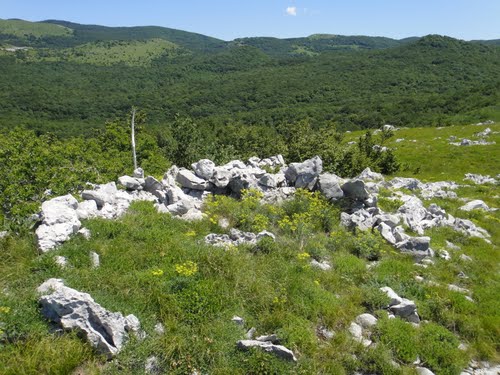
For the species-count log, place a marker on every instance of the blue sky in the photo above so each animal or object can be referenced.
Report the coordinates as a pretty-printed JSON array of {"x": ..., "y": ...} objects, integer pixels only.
[{"x": 229, "y": 19}]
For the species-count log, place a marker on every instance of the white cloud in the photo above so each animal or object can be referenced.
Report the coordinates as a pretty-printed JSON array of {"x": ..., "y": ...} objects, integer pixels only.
[{"x": 291, "y": 11}]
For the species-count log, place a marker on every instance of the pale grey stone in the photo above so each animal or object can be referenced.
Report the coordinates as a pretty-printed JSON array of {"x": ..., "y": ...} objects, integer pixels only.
[
  {"x": 106, "y": 331},
  {"x": 278, "y": 350},
  {"x": 188, "y": 179}
]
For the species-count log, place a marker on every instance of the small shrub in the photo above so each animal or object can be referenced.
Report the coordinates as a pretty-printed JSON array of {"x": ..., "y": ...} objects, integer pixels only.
[{"x": 400, "y": 337}]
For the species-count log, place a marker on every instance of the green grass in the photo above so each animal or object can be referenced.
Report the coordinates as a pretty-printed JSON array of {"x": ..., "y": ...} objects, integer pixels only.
[
  {"x": 22, "y": 28},
  {"x": 432, "y": 158},
  {"x": 105, "y": 53},
  {"x": 272, "y": 287}
]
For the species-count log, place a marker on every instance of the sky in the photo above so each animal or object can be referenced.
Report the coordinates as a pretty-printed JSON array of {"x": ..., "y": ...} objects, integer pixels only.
[{"x": 230, "y": 19}]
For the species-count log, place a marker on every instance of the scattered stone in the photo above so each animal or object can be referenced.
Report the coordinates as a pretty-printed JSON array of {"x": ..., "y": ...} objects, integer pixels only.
[
  {"x": 278, "y": 350},
  {"x": 355, "y": 190},
  {"x": 159, "y": 329},
  {"x": 236, "y": 238},
  {"x": 456, "y": 288},
  {"x": 59, "y": 222},
  {"x": 443, "y": 254},
  {"x": 271, "y": 338},
  {"x": 368, "y": 175},
  {"x": 152, "y": 366},
  {"x": 479, "y": 179},
  {"x": 475, "y": 205},
  {"x": 61, "y": 261},
  {"x": 138, "y": 173},
  {"x": 366, "y": 320},
  {"x": 394, "y": 298},
  {"x": 485, "y": 133},
  {"x": 465, "y": 258},
  {"x": 87, "y": 210},
  {"x": 323, "y": 265},
  {"x": 85, "y": 233},
  {"x": 189, "y": 180},
  {"x": 452, "y": 246},
  {"x": 106, "y": 331},
  {"x": 325, "y": 333},
  {"x": 238, "y": 321},
  {"x": 3, "y": 234},
  {"x": 250, "y": 333},
  {"x": 94, "y": 260},
  {"x": 401, "y": 307},
  {"x": 423, "y": 371},
  {"x": 204, "y": 168}
]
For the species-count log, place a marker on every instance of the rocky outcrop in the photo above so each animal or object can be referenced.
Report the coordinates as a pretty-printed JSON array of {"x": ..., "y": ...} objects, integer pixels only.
[{"x": 72, "y": 310}]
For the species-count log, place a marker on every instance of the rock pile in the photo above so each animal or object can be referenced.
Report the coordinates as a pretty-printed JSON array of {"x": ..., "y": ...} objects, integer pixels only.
[{"x": 181, "y": 193}]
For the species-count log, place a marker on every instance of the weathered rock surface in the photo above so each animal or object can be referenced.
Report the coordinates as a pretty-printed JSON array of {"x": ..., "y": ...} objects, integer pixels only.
[
  {"x": 304, "y": 175},
  {"x": 106, "y": 331},
  {"x": 329, "y": 186},
  {"x": 475, "y": 205},
  {"x": 278, "y": 350},
  {"x": 59, "y": 222},
  {"x": 236, "y": 238}
]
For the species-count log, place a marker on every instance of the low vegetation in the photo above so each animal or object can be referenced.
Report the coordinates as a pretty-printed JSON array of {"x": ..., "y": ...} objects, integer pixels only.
[{"x": 159, "y": 269}]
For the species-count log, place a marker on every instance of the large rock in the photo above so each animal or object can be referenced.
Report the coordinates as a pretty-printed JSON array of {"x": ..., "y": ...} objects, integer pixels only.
[
  {"x": 329, "y": 186},
  {"x": 101, "y": 194},
  {"x": 155, "y": 187},
  {"x": 417, "y": 246},
  {"x": 204, "y": 168},
  {"x": 278, "y": 350},
  {"x": 106, "y": 331},
  {"x": 59, "y": 222},
  {"x": 304, "y": 175},
  {"x": 355, "y": 189},
  {"x": 189, "y": 180},
  {"x": 221, "y": 177},
  {"x": 131, "y": 183},
  {"x": 87, "y": 210}
]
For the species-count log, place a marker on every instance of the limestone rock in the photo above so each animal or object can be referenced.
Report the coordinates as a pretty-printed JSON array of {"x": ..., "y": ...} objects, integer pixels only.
[
  {"x": 355, "y": 189},
  {"x": 329, "y": 186},
  {"x": 475, "y": 205},
  {"x": 304, "y": 175},
  {"x": 366, "y": 320},
  {"x": 189, "y": 180},
  {"x": 204, "y": 168},
  {"x": 106, "y": 331},
  {"x": 102, "y": 194},
  {"x": 59, "y": 222},
  {"x": 131, "y": 183},
  {"x": 278, "y": 350}
]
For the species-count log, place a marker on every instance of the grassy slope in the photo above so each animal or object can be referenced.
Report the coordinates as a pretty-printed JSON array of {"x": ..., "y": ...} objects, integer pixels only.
[
  {"x": 22, "y": 28},
  {"x": 432, "y": 158},
  {"x": 131, "y": 53},
  {"x": 274, "y": 290}
]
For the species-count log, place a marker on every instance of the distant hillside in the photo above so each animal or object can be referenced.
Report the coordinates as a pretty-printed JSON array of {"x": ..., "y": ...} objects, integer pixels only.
[
  {"x": 316, "y": 43},
  {"x": 28, "y": 30},
  {"x": 352, "y": 82}
]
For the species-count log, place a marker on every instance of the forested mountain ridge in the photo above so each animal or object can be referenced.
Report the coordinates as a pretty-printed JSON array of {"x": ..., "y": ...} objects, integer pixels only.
[{"x": 73, "y": 78}]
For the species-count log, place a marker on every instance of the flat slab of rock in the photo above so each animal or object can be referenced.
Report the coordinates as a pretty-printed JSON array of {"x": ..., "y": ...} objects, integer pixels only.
[
  {"x": 72, "y": 310},
  {"x": 278, "y": 350},
  {"x": 189, "y": 180}
]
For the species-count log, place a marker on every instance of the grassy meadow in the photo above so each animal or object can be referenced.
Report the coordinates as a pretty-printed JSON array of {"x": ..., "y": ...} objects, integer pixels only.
[{"x": 158, "y": 268}]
